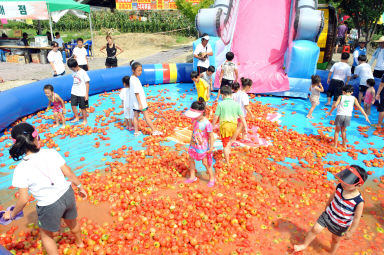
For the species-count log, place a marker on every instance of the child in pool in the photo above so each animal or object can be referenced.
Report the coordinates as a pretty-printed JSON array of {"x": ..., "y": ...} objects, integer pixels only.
[
  {"x": 201, "y": 85},
  {"x": 229, "y": 111},
  {"x": 343, "y": 211},
  {"x": 345, "y": 104},
  {"x": 128, "y": 111},
  {"x": 58, "y": 106},
  {"x": 44, "y": 173},
  {"x": 202, "y": 140},
  {"x": 138, "y": 100},
  {"x": 241, "y": 96},
  {"x": 208, "y": 77},
  {"x": 315, "y": 89},
  {"x": 370, "y": 95}
]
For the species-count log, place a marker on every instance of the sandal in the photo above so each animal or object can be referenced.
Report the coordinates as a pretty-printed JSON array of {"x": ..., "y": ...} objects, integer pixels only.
[
  {"x": 211, "y": 183},
  {"x": 188, "y": 181},
  {"x": 137, "y": 133}
]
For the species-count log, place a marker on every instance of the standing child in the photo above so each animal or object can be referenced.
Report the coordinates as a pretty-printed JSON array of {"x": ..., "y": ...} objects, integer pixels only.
[
  {"x": 58, "y": 104},
  {"x": 80, "y": 90},
  {"x": 229, "y": 73},
  {"x": 138, "y": 100},
  {"x": 128, "y": 111},
  {"x": 345, "y": 104},
  {"x": 241, "y": 96},
  {"x": 364, "y": 71},
  {"x": 202, "y": 140},
  {"x": 44, "y": 173},
  {"x": 229, "y": 111},
  {"x": 340, "y": 71},
  {"x": 201, "y": 85},
  {"x": 343, "y": 211},
  {"x": 315, "y": 90},
  {"x": 370, "y": 95},
  {"x": 80, "y": 54},
  {"x": 208, "y": 76}
]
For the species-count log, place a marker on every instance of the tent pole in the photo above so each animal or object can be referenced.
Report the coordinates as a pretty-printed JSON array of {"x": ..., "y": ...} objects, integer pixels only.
[
  {"x": 50, "y": 26},
  {"x": 90, "y": 26}
]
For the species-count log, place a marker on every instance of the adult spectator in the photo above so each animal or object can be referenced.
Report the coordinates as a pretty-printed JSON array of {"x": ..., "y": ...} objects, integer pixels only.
[
  {"x": 25, "y": 39},
  {"x": 56, "y": 60},
  {"x": 341, "y": 35},
  {"x": 202, "y": 53},
  {"x": 58, "y": 39},
  {"x": 359, "y": 51},
  {"x": 380, "y": 108},
  {"x": 378, "y": 55},
  {"x": 49, "y": 36}
]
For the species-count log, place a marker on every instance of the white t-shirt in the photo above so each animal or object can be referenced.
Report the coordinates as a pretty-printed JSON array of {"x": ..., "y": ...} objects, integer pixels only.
[
  {"x": 125, "y": 97},
  {"x": 135, "y": 87},
  {"x": 345, "y": 106},
  {"x": 379, "y": 56},
  {"x": 201, "y": 49},
  {"x": 37, "y": 172},
  {"x": 340, "y": 71},
  {"x": 206, "y": 77},
  {"x": 242, "y": 98},
  {"x": 364, "y": 71},
  {"x": 57, "y": 59},
  {"x": 79, "y": 79},
  {"x": 229, "y": 70},
  {"x": 81, "y": 55},
  {"x": 59, "y": 41}
]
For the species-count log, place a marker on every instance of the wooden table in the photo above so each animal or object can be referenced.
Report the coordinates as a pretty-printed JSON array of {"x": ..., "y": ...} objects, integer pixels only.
[{"x": 24, "y": 47}]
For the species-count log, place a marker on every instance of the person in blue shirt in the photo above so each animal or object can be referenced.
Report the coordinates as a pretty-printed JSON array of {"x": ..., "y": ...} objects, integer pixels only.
[{"x": 359, "y": 50}]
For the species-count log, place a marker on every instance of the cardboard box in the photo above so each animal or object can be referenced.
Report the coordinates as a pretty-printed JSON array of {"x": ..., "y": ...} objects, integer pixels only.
[
  {"x": 17, "y": 33},
  {"x": 16, "y": 59},
  {"x": 35, "y": 58}
]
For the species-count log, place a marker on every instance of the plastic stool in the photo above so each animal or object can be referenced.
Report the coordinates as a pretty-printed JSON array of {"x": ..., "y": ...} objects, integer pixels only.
[{"x": 347, "y": 49}]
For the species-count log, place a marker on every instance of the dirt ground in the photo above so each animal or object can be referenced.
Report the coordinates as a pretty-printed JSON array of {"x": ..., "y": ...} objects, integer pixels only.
[{"x": 136, "y": 46}]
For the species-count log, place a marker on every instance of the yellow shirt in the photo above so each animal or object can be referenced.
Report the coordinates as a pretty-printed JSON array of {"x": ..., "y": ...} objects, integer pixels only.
[{"x": 202, "y": 88}]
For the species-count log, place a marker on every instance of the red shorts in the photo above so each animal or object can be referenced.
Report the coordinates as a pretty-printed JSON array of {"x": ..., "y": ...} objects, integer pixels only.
[{"x": 225, "y": 140}]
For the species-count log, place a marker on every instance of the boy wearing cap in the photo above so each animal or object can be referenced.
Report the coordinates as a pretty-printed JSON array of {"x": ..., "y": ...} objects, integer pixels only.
[
  {"x": 345, "y": 104},
  {"x": 343, "y": 211},
  {"x": 202, "y": 53},
  {"x": 359, "y": 51},
  {"x": 378, "y": 55},
  {"x": 229, "y": 111}
]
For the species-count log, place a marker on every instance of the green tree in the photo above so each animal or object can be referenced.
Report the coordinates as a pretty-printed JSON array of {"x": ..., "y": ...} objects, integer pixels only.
[
  {"x": 365, "y": 14},
  {"x": 190, "y": 11}
]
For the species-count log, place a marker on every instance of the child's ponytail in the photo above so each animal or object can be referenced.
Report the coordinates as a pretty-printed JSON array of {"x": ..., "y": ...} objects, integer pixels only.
[
  {"x": 246, "y": 82},
  {"x": 199, "y": 105},
  {"x": 23, "y": 141}
]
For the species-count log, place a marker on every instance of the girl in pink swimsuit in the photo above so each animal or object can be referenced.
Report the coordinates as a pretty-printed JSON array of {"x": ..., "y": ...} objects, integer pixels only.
[
  {"x": 370, "y": 95},
  {"x": 202, "y": 140},
  {"x": 58, "y": 105}
]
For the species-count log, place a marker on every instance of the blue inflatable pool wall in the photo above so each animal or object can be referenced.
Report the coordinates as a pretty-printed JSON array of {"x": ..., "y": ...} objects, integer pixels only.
[{"x": 22, "y": 101}]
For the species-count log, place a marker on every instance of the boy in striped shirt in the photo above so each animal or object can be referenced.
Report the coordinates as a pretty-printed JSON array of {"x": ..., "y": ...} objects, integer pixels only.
[{"x": 343, "y": 211}]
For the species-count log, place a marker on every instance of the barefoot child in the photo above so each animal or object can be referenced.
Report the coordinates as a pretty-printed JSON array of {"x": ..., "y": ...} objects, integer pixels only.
[
  {"x": 80, "y": 91},
  {"x": 370, "y": 96},
  {"x": 364, "y": 71},
  {"x": 201, "y": 85},
  {"x": 128, "y": 111},
  {"x": 208, "y": 77},
  {"x": 343, "y": 211},
  {"x": 43, "y": 173},
  {"x": 345, "y": 104},
  {"x": 241, "y": 96},
  {"x": 138, "y": 100},
  {"x": 229, "y": 73},
  {"x": 58, "y": 104},
  {"x": 201, "y": 145},
  {"x": 315, "y": 90},
  {"x": 339, "y": 72},
  {"x": 229, "y": 111}
]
